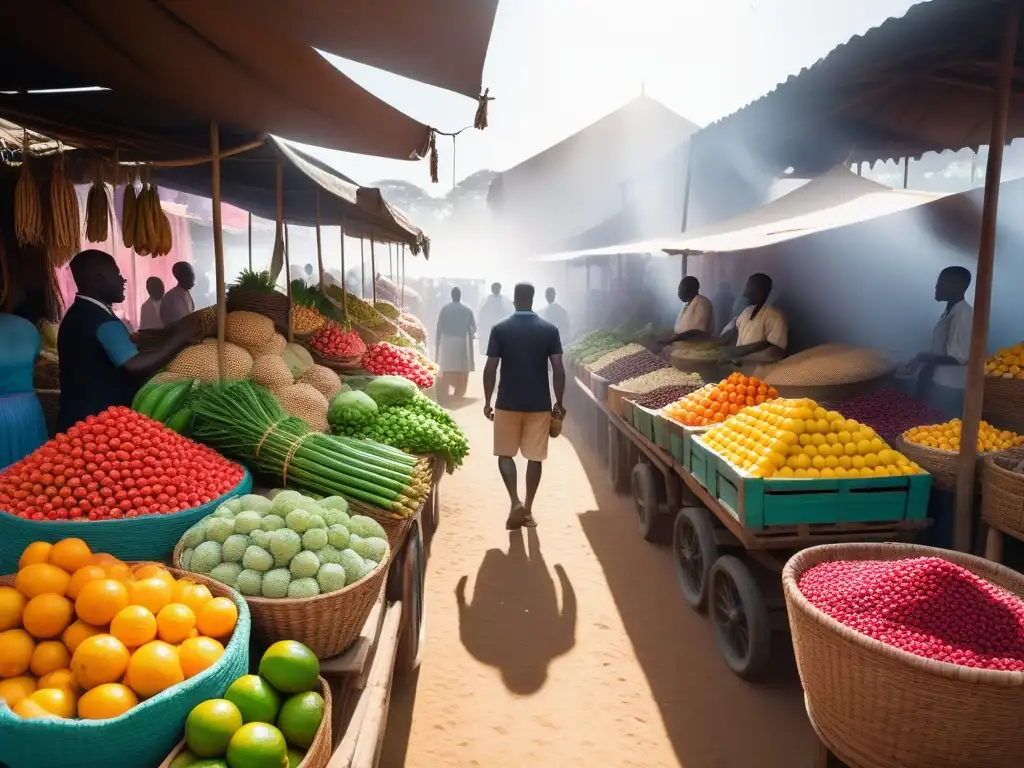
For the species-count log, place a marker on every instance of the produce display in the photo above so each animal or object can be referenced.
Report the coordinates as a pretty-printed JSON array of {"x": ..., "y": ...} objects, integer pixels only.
[
  {"x": 714, "y": 403},
  {"x": 334, "y": 341},
  {"x": 360, "y": 312},
  {"x": 592, "y": 346},
  {"x": 386, "y": 359},
  {"x": 387, "y": 309},
  {"x": 266, "y": 720},
  {"x": 144, "y": 225},
  {"x": 631, "y": 367},
  {"x": 28, "y": 209},
  {"x": 663, "y": 377},
  {"x": 800, "y": 439},
  {"x": 246, "y": 421},
  {"x": 1007, "y": 363},
  {"x": 97, "y": 213},
  {"x": 413, "y": 327},
  {"x": 613, "y": 356},
  {"x": 114, "y": 465},
  {"x": 200, "y": 362},
  {"x": 828, "y": 365},
  {"x": 167, "y": 403},
  {"x": 259, "y": 281},
  {"x": 657, "y": 399},
  {"x": 306, "y": 320},
  {"x": 84, "y": 635},
  {"x": 400, "y": 296},
  {"x": 288, "y": 545},
  {"x": 926, "y": 606},
  {"x": 946, "y": 437},
  {"x": 697, "y": 350},
  {"x": 888, "y": 411}
]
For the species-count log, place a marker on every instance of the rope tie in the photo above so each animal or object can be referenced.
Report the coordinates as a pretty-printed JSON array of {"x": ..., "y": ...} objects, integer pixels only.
[
  {"x": 480, "y": 121},
  {"x": 290, "y": 455},
  {"x": 267, "y": 434}
]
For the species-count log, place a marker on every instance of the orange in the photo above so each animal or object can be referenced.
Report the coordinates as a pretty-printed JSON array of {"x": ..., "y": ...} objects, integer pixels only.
[
  {"x": 99, "y": 601},
  {"x": 83, "y": 576},
  {"x": 77, "y": 632},
  {"x": 153, "y": 668},
  {"x": 56, "y": 701},
  {"x": 36, "y": 552},
  {"x": 134, "y": 626},
  {"x": 217, "y": 618},
  {"x": 99, "y": 659},
  {"x": 47, "y": 615},
  {"x": 12, "y": 604},
  {"x": 38, "y": 578},
  {"x": 197, "y": 654},
  {"x": 49, "y": 656},
  {"x": 152, "y": 593},
  {"x": 103, "y": 559},
  {"x": 16, "y": 688},
  {"x": 30, "y": 710},
  {"x": 61, "y": 678},
  {"x": 106, "y": 701},
  {"x": 152, "y": 571},
  {"x": 119, "y": 571},
  {"x": 16, "y": 647},
  {"x": 174, "y": 623},
  {"x": 70, "y": 554},
  {"x": 195, "y": 596}
]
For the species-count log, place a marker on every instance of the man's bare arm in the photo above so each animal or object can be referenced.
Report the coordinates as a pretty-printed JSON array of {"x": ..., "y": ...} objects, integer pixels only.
[
  {"x": 490, "y": 376},
  {"x": 558, "y": 380}
]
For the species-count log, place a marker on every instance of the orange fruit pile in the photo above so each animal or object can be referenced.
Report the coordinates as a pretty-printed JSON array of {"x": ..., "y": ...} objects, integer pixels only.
[
  {"x": 86, "y": 635},
  {"x": 714, "y": 403}
]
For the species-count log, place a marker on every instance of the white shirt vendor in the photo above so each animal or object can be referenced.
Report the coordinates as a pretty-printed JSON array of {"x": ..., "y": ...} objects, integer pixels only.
[
  {"x": 769, "y": 324},
  {"x": 952, "y": 338},
  {"x": 697, "y": 315}
]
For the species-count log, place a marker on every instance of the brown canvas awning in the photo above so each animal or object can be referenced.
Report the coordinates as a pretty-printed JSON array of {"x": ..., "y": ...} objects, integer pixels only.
[
  {"x": 193, "y": 61},
  {"x": 438, "y": 42}
]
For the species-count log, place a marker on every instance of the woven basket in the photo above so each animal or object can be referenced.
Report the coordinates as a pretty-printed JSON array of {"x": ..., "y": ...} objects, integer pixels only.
[
  {"x": 941, "y": 465},
  {"x": 151, "y": 729},
  {"x": 876, "y": 706},
  {"x": 1002, "y": 493},
  {"x": 1004, "y": 403},
  {"x": 342, "y": 364},
  {"x": 151, "y": 537},
  {"x": 49, "y": 399},
  {"x": 47, "y": 371},
  {"x": 267, "y": 303},
  {"x": 319, "y": 752},
  {"x": 396, "y": 528},
  {"x": 326, "y": 624}
]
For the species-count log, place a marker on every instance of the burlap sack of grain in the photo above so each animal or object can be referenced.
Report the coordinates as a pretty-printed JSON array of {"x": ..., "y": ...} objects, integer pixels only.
[{"x": 826, "y": 366}]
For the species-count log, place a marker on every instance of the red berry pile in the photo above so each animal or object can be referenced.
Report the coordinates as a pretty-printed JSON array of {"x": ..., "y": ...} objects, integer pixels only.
[
  {"x": 114, "y": 465},
  {"x": 926, "y": 606},
  {"x": 332, "y": 341},
  {"x": 386, "y": 359}
]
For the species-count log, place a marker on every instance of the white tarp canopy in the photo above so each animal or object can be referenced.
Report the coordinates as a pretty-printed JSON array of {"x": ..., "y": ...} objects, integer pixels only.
[{"x": 835, "y": 199}]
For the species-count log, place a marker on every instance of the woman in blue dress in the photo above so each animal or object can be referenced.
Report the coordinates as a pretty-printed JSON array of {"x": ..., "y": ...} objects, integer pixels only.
[{"x": 22, "y": 424}]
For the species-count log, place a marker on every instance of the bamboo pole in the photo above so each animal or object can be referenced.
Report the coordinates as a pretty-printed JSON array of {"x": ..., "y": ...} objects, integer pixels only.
[
  {"x": 362, "y": 268},
  {"x": 906, "y": 170},
  {"x": 403, "y": 276},
  {"x": 686, "y": 184},
  {"x": 391, "y": 265},
  {"x": 218, "y": 246},
  {"x": 288, "y": 281},
  {"x": 974, "y": 389},
  {"x": 373, "y": 269},
  {"x": 344, "y": 275},
  {"x": 319, "y": 247},
  {"x": 250, "y": 240}
]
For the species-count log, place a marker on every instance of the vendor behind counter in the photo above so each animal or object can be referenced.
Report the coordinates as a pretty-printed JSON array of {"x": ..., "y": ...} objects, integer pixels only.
[{"x": 761, "y": 333}]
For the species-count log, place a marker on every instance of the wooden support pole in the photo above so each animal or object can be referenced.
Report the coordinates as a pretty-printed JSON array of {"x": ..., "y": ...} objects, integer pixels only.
[
  {"x": 974, "y": 390},
  {"x": 403, "y": 276},
  {"x": 362, "y": 268},
  {"x": 906, "y": 170},
  {"x": 319, "y": 246},
  {"x": 373, "y": 269},
  {"x": 391, "y": 265},
  {"x": 250, "y": 240},
  {"x": 288, "y": 282},
  {"x": 686, "y": 184},
  {"x": 344, "y": 276},
  {"x": 218, "y": 246},
  {"x": 278, "y": 211}
]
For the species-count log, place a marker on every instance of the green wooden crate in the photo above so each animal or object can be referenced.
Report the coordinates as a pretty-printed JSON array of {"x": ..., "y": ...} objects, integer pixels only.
[
  {"x": 643, "y": 421},
  {"x": 662, "y": 433},
  {"x": 627, "y": 411},
  {"x": 759, "y": 503},
  {"x": 677, "y": 441}
]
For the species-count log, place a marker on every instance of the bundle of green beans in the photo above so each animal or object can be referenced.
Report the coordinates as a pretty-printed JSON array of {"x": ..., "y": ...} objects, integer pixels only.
[{"x": 244, "y": 422}]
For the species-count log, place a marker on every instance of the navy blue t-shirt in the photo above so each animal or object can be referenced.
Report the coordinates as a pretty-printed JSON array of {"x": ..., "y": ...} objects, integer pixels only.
[{"x": 523, "y": 343}]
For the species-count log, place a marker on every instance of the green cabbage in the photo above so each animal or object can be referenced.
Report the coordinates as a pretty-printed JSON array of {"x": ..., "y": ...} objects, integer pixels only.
[
  {"x": 352, "y": 409},
  {"x": 391, "y": 390}
]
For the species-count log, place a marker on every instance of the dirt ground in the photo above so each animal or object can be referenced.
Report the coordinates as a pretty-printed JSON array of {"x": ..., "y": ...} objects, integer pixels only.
[{"x": 573, "y": 646}]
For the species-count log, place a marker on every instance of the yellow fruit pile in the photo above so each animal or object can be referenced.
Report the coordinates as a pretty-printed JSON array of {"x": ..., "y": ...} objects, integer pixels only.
[
  {"x": 946, "y": 437},
  {"x": 1007, "y": 363},
  {"x": 85, "y": 635},
  {"x": 798, "y": 438}
]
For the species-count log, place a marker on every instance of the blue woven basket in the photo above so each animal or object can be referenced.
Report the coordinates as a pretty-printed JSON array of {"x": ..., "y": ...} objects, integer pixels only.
[
  {"x": 140, "y": 738},
  {"x": 151, "y": 537}
]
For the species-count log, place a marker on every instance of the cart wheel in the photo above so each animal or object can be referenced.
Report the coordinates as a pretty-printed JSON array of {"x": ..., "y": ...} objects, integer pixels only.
[
  {"x": 618, "y": 460},
  {"x": 646, "y": 500},
  {"x": 410, "y": 641},
  {"x": 693, "y": 543},
  {"x": 739, "y": 617}
]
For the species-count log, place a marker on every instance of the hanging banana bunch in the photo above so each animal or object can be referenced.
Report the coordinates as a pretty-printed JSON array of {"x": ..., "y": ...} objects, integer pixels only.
[
  {"x": 129, "y": 210},
  {"x": 151, "y": 233},
  {"x": 28, "y": 209},
  {"x": 97, "y": 212},
  {"x": 65, "y": 231}
]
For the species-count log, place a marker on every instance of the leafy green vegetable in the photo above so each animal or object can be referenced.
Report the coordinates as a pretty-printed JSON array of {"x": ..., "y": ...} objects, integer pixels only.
[{"x": 352, "y": 409}]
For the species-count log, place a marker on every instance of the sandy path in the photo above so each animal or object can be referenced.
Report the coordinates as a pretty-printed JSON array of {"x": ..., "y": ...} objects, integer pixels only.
[{"x": 574, "y": 648}]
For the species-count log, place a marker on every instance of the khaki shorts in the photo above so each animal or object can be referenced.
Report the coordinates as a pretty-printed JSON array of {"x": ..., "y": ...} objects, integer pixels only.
[{"x": 521, "y": 432}]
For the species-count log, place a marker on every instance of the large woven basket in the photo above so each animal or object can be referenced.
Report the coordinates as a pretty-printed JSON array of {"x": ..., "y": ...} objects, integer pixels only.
[
  {"x": 941, "y": 465},
  {"x": 396, "y": 528},
  {"x": 340, "y": 364},
  {"x": 875, "y": 706},
  {"x": 1004, "y": 403},
  {"x": 326, "y": 624},
  {"x": 151, "y": 537},
  {"x": 1002, "y": 493},
  {"x": 319, "y": 752},
  {"x": 141, "y": 737},
  {"x": 267, "y": 303}
]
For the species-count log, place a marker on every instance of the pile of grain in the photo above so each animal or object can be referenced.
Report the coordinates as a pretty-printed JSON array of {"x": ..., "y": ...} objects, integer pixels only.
[
  {"x": 616, "y": 354},
  {"x": 659, "y": 398},
  {"x": 630, "y": 367},
  {"x": 826, "y": 366},
  {"x": 663, "y": 377}
]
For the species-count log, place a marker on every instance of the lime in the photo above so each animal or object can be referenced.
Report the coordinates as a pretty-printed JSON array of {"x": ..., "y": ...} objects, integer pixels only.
[
  {"x": 255, "y": 698},
  {"x": 258, "y": 745},
  {"x": 295, "y": 757},
  {"x": 290, "y": 667},
  {"x": 300, "y": 718},
  {"x": 184, "y": 760},
  {"x": 210, "y": 726},
  {"x": 212, "y": 763}
]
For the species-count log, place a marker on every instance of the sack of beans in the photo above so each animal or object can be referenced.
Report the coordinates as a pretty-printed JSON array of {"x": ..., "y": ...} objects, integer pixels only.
[
  {"x": 610, "y": 357},
  {"x": 658, "y": 379},
  {"x": 826, "y": 366},
  {"x": 630, "y": 367}
]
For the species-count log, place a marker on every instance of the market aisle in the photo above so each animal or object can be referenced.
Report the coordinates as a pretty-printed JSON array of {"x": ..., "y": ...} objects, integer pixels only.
[{"x": 621, "y": 674}]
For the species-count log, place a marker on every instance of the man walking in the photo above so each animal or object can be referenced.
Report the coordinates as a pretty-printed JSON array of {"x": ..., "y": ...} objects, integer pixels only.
[
  {"x": 494, "y": 309},
  {"x": 555, "y": 314},
  {"x": 523, "y": 345},
  {"x": 177, "y": 302},
  {"x": 453, "y": 345}
]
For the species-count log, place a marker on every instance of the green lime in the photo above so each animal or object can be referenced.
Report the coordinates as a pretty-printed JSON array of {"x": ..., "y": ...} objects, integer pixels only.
[
  {"x": 300, "y": 718},
  {"x": 258, "y": 745},
  {"x": 184, "y": 759},
  {"x": 214, "y": 763},
  {"x": 210, "y": 726},
  {"x": 295, "y": 757},
  {"x": 290, "y": 667},
  {"x": 255, "y": 698}
]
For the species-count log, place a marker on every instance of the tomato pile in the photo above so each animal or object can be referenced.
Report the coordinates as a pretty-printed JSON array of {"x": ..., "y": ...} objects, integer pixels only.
[
  {"x": 388, "y": 360},
  {"x": 926, "y": 606},
  {"x": 332, "y": 341},
  {"x": 115, "y": 465}
]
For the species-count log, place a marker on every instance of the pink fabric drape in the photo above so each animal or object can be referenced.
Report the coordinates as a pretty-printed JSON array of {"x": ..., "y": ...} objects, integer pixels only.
[{"x": 144, "y": 266}]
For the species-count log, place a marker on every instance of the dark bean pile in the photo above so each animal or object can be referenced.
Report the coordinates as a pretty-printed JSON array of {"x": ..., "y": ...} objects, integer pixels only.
[
  {"x": 657, "y": 399},
  {"x": 887, "y": 411},
  {"x": 631, "y": 367}
]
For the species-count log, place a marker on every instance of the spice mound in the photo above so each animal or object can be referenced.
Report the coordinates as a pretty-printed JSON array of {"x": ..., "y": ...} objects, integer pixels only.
[{"x": 926, "y": 606}]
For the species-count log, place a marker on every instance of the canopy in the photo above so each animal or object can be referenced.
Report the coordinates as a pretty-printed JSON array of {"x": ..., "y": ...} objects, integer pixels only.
[{"x": 174, "y": 65}]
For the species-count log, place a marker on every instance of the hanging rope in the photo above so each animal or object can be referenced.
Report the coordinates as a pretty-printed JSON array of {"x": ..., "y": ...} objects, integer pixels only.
[{"x": 479, "y": 123}]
